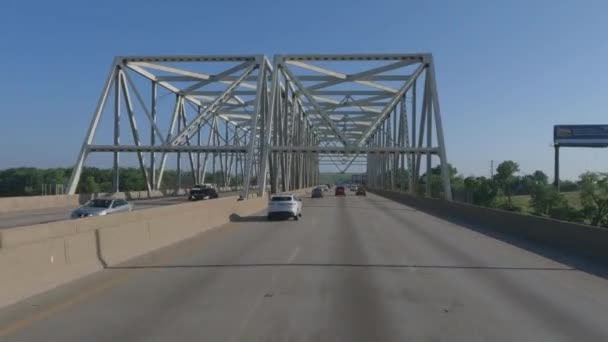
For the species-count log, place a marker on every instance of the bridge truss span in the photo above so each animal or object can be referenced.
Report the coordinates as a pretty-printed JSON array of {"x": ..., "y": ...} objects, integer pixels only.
[{"x": 270, "y": 126}]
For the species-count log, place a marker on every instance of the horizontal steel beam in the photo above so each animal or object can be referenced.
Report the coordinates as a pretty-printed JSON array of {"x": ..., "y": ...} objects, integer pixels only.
[
  {"x": 353, "y": 57},
  {"x": 165, "y": 148},
  {"x": 182, "y": 58},
  {"x": 352, "y": 150},
  {"x": 220, "y": 92},
  {"x": 183, "y": 78},
  {"x": 276, "y": 149},
  {"x": 309, "y": 78},
  {"x": 351, "y": 92}
]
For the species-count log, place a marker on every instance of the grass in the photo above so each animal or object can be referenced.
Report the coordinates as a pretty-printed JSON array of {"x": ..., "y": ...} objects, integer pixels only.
[{"x": 523, "y": 201}]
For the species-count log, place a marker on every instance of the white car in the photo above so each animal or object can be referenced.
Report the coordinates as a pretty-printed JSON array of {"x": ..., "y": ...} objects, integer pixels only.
[{"x": 284, "y": 206}]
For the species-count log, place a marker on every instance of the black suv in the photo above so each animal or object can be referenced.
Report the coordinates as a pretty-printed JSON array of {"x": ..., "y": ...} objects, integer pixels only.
[{"x": 202, "y": 194}]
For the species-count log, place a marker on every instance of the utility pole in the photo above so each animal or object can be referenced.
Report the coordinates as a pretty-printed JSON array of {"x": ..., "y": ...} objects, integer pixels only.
[{"x": 492, "y": 169}]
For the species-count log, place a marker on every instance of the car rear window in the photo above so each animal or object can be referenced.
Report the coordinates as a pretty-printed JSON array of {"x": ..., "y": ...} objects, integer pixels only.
[
  {"x": 99, "y": 203},
  {"x": 281, "y": 198}
]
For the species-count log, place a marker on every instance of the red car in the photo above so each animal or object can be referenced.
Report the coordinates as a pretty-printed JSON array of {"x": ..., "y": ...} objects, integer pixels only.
[{"x": 340, "y": 191}]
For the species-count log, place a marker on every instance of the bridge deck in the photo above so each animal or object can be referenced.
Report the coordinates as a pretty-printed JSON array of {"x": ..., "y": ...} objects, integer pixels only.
[{"x": 352, "y": 269}]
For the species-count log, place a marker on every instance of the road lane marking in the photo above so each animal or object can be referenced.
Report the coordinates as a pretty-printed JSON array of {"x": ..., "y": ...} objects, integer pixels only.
[
  {"x": 56, "y": 308},
  {"x": 294, "y": 254}
]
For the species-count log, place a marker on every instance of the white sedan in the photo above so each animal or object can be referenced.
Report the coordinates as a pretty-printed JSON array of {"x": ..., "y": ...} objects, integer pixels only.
[{"x": 284, "y": 206}]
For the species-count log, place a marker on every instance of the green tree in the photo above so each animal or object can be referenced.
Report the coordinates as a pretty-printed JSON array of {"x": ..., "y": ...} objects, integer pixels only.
[
  {"x": 540, "y": 177},
  {"x": 544, "y": 199},
  {"x": 456, "y": 181},
  {"x": 89, "y": 186},
  {"x": 594, "y": 196},
  {"x": 482, "y": 191},
  {"x": 506, "y": 179}
]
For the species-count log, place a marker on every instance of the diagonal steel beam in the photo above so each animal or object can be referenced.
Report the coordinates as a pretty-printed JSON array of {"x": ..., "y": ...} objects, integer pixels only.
[
  {"x": 357, "y": 78},
  {"x": 142, "y": 104},
  {"x": 217, "y": 77},
  {"x": 392, "y": 103},
  {"x": 134, "y": 131},
  {"x": 212, "y": 107},
  {"x": 193, "y": 99},
  {"x": 340, "y": 77},
  {"x": 318, "y": 108}
]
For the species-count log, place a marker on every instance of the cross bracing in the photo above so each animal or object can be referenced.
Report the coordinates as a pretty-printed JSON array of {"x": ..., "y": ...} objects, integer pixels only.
[{"x": 272, "y": 126}]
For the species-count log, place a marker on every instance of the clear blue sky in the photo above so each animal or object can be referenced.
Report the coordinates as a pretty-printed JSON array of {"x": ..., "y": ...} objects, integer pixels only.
[{"x": 507, "y": 70}]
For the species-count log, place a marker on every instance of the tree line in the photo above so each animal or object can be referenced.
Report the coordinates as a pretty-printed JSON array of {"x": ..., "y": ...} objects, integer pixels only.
[
  {"x": 30, "y": 181},
  {"x": 495, "y": 192},
  {"x": 544, "y": 200}
]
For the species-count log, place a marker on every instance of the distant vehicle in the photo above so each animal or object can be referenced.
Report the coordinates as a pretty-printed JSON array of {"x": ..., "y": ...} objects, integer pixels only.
[
  {"x": 340, "y": 191},
  {"x": 284, "y": 206},
  {"x": 324, "y": 187},
  {"x": 353, "y": 188},
  {"x": 360, "y": 191},
  {"x": 202, "y": 193},
  {"x": 101, "y": 207},
  {"x": 317, "y": 192}
]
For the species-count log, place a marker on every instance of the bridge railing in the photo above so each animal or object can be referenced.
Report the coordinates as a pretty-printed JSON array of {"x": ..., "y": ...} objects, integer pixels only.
[{"x": 571, "y": 237}]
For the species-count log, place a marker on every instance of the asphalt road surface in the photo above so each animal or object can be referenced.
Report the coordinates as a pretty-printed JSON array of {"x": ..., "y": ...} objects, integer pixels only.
[
  {"x": 46, "y": 215},
  {"x": 352, "y": 269}
]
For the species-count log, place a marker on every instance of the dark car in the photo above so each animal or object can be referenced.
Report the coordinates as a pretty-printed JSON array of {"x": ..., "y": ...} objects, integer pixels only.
[
  {"x": 202, "y": 194},
  {"x": 360, "y": 191},
  {"x": 340, "y": 191},
  {"x": 317, "y": 193}
]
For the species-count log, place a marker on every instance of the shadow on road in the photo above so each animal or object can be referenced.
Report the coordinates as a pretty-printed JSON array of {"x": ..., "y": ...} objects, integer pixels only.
[
  {"x": 574, "y": 261},
  {"x": 347, "y": 265},
  {"x": 239, "y": 218}
]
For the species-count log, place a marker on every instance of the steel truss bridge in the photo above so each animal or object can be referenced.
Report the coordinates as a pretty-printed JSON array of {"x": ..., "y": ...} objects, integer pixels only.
[{"x": 271, "y": 126}]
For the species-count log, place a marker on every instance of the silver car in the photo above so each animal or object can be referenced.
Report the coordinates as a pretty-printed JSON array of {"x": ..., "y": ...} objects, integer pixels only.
[{"x": 100, "y": 207}]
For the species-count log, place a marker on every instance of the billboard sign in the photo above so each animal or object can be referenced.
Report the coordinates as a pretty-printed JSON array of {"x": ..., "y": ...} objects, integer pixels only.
[{"x": 581, "y": 135}]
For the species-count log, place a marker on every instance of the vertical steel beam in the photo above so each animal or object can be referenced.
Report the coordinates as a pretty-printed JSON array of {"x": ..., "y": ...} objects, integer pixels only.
[
  {"x": 395, "y": 156},
  {"x": 421, "y": 129},
  {"x": 153, "y": 137},
  {"x": 429, "y": 134},
  {"x": 190, "y": 156},
  {"x": 445, "y": 173},
  {"x": 209, "y": 142},
  {"x": 258, "y": 106},
  {"x": 116, "y": 162},
  {"x": 413, "y": 180},
  {"x": 178, "y": 184},
  {"x": 272, "y": 108},
  {"x": 163, "y": 160},
  {"x": 198, "y": 154}
]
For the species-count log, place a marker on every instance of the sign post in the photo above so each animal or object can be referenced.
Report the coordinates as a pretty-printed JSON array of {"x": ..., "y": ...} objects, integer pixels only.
[
  {"x": 577, "y": 136},
  {"x": 556, "y": 170}
]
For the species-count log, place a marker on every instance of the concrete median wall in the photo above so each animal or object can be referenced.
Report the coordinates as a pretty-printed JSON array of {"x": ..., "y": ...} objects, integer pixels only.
[
  {"x": 11, "y": 204},
  {"x": 37, "y": 258},
  {"x": 575, "y": 238}
]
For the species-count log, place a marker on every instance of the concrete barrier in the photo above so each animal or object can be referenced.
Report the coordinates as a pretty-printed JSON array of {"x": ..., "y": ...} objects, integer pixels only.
[
  {"x": 572, "y": 237},
  {"x": 11, "y": 204},
  {"x": 37, "y": 258}
]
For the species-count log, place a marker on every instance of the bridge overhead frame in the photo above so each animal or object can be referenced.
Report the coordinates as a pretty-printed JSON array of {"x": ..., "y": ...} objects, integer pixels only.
[
  {"x": 358, "y": 110},
  {"x": 214, "y": 117},
  {"x": 274, "y": 126}
]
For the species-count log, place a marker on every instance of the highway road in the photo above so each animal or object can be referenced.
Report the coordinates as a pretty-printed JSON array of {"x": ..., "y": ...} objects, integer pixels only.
[
  {"x": 352, "y": 269},
  {"x": 46, "y": 215}
]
